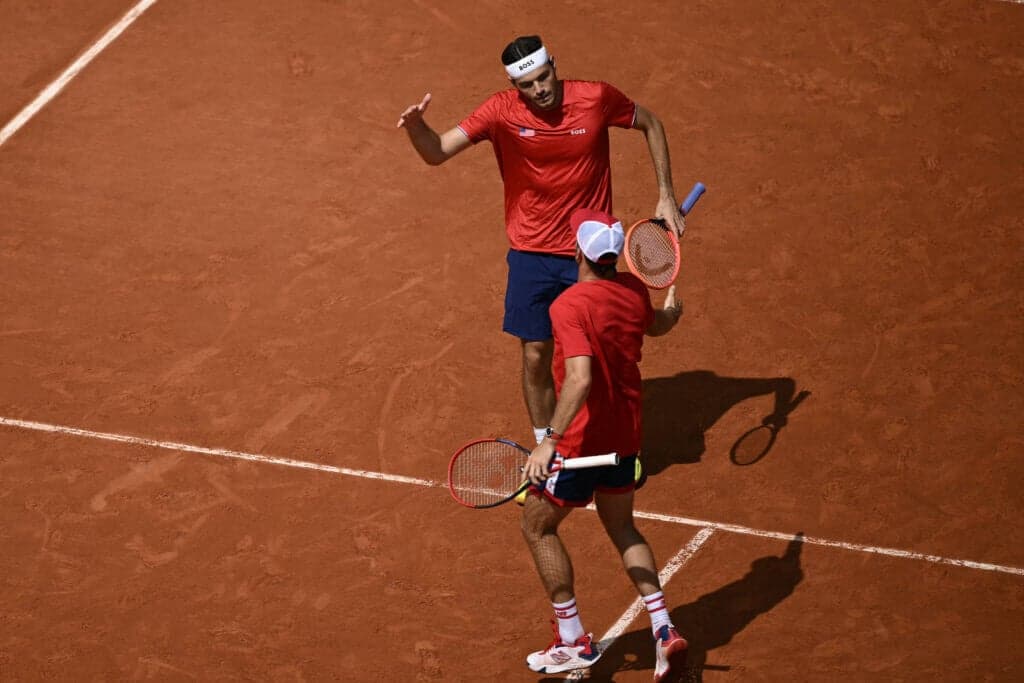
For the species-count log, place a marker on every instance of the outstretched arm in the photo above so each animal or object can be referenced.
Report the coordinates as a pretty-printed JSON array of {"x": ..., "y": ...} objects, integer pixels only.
[
  {"x": 666, "y": 317},
  {"x": 433, "y": 148},
  {"x": 657, "y": 144},
  {"x": 575, "y": 390}
]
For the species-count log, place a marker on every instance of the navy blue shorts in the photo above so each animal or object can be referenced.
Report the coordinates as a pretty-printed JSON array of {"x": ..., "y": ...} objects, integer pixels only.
[
  {"x": 534, "y": 281},
  {"x": 575, "y": 488}
]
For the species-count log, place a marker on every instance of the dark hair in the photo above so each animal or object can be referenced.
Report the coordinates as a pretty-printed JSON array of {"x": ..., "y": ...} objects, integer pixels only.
[
  {"x": 602, "y": 270},
  {"x": 519, "y": 48}
]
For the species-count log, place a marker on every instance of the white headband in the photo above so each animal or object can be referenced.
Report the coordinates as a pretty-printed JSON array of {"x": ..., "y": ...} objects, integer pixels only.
[{"x": 530, "y": 62}]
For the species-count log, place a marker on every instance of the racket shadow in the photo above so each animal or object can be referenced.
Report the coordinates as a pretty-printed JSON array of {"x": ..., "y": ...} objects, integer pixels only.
[
  {"x": 756, "y": 443},
  {"x": 678, "y": 411},
  {"x": 712, "y": 620}
]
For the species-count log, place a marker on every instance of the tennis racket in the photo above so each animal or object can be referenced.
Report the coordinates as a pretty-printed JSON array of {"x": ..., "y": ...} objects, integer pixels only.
[
  {"x": 488, "y": 472},
  {"x": 652, "y": 250}
]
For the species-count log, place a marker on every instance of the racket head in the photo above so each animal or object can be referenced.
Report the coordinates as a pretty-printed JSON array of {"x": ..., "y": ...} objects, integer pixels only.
[
  {"x": 652, "y": 253},
  {"x": 485, "y": 473}
]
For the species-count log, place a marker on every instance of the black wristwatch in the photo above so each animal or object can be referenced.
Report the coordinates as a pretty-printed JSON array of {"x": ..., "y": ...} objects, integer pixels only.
[{"x": 552, "y": 434}]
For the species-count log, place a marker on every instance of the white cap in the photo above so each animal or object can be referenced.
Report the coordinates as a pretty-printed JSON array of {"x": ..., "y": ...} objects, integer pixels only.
[{"x": 599, "y": 234}]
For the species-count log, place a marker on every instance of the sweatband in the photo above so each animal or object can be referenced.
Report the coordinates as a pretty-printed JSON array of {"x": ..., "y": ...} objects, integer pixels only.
[{"x": 530, "y": 62}]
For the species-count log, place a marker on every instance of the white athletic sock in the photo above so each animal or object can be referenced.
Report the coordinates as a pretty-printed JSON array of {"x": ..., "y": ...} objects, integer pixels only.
[
  {"x": 539, "y": 433},
  {"x": 570, "y": 628},
  {"x": 655, "y": 603}
]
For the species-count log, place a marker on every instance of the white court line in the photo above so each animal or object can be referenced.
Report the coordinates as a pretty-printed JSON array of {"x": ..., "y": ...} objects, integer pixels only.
[
  {"x": 365, "y": 474},
  {"x": 891, "y": 552},
  {"x": 223, "y": 452},
  {"x": 667, "y": 572},
  {"x": 55, "y": 87}
]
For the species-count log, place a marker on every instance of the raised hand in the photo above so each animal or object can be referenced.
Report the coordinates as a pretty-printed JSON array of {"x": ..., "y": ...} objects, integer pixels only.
[{"x": 414, "y": 114}]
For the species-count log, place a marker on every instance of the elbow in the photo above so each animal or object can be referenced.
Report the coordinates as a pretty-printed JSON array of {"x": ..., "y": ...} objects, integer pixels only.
[
  {"x": 577, "y": 383},
  {"x": 582, "y": 385}
]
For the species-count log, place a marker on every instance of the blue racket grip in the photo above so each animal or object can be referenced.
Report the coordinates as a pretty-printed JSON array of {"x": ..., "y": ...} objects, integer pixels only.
[{"x": 692, "y": 198}]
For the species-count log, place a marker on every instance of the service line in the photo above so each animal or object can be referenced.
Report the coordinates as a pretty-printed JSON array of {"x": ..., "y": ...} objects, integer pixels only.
[
  {"x": 396, "y": 478},
  {"x": 51, "y": 91}
]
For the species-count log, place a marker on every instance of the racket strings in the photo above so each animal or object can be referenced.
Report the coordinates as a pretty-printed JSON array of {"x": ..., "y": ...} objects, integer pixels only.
[
  {"x": 652, "y": 253},
  {"x": 487, "y": 472}
]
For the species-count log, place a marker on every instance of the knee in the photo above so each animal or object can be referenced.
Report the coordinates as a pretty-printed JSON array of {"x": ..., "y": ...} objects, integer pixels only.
[
  {"x": 532, "y": 359},
  {"x": 536, "y": 358}
]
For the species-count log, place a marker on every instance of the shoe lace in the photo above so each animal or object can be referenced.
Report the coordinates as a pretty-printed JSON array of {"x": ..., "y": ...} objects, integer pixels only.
[
  {"x": 586, "y": 643},
  {"x": 557, "y": 641}
]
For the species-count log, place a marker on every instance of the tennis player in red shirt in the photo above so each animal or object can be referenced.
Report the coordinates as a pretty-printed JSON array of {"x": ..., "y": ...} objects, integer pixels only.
[
  {"x": 550, "y": 138},
  {"x": 599, "y": 327}
]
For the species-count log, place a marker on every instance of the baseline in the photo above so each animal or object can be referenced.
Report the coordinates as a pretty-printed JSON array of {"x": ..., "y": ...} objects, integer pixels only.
[{"x": 366, "y": 474}]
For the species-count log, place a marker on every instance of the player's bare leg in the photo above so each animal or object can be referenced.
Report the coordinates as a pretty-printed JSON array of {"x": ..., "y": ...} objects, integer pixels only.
[
  {"x": 538, "y": 383},
  {"x": 572, "y": 648},
  {"x": 540, "y": 523},
  {"x": 616, "y": 513}
]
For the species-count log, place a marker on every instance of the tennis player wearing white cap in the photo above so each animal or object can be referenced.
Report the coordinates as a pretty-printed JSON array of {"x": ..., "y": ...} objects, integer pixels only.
[
  {"x": 550, "y": 138},
  {"x": 599, "y": 326}
]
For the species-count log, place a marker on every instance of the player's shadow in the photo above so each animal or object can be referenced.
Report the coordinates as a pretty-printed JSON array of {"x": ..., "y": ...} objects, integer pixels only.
[
  {"x": 712, "y": 620},
  {"x": 678, "y": 411}
]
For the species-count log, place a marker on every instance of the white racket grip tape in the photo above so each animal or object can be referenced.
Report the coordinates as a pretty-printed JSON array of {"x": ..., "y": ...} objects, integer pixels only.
[{"x": 590, "y": 461}]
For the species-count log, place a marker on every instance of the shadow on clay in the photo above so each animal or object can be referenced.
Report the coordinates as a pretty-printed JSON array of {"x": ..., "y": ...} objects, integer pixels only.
[
  {"x": 711, "y": 621},
  {"x": 678, "y": 411}
]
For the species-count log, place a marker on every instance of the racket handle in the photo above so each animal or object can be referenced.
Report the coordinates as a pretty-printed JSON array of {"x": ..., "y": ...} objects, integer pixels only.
[
  {"x": 692, "y": 198},
  {"x": 590, "y": 461}
]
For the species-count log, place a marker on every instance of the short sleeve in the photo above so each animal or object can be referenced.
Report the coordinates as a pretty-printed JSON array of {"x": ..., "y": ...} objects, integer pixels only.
[
  {"x": 619, "y": 110},
  {"x": 569, "y": 328},
  {"x": 640, "y": 289},
  {"x": 649, "y": 318},
  {"x": 479, "y": 125}
]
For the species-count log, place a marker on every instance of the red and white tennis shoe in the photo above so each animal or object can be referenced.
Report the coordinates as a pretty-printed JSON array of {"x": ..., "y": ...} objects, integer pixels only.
[
  {"x": 670, "y": 653},
  {"x": 558, "y": 656}
]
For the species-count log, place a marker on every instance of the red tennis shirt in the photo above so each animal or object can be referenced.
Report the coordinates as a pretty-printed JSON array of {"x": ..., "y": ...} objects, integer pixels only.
[
  {"x": 552, "y": 163},
  {"x": 606, "y": 320}
]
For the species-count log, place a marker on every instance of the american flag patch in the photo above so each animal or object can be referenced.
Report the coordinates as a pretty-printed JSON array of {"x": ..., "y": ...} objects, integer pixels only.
[{"x": 527, "y": 132}]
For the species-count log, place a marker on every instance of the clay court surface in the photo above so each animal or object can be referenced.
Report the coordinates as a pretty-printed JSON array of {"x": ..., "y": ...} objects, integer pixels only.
[{"x": 214, "y": 238}]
